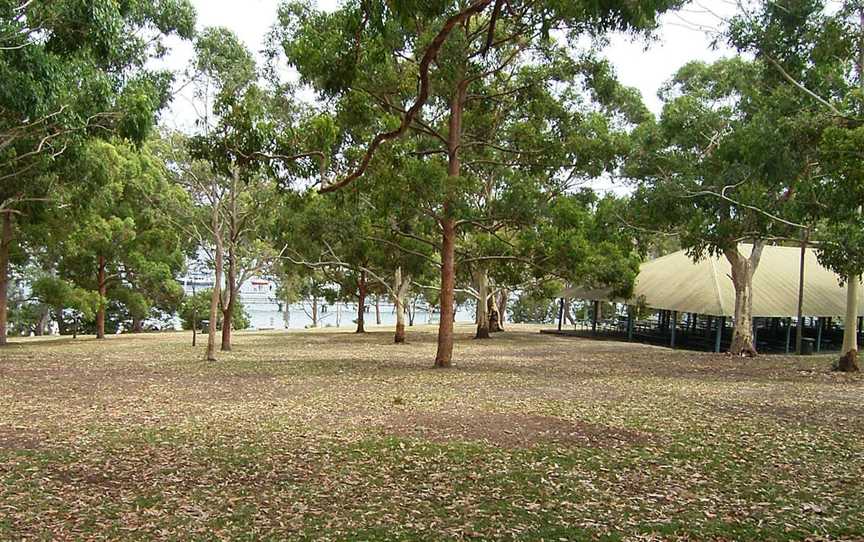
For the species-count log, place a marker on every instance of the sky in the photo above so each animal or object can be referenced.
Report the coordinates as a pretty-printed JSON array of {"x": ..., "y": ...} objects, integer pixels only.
[{"x": 683, "y": 36}]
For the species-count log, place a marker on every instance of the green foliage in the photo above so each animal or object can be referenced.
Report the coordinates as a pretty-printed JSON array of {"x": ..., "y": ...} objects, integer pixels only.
[
  {"x": 818, "y": 45},
  {"x": 728, "y": 156},
  {"x": 536, "y": 306},
  {"x": 198, "y": 307}
]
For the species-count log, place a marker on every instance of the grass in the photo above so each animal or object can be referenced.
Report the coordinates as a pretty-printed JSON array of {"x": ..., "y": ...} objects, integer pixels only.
[{"x": 327, "y": 435}]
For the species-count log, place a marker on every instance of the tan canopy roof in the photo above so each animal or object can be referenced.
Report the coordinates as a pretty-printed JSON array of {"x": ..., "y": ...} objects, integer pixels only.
[{"x": 675, "y": 282}]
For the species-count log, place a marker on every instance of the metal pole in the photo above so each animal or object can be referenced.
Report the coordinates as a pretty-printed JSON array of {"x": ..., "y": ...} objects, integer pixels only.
[
  {"x": 819, "y": 324},
  {"x": 799, "y": 333},
  {"x": 629, "y": 323},
  {"x": 788, "y": 334},
  {"x": 674, "y": 322},
  {"x": 721, "y": 323}
]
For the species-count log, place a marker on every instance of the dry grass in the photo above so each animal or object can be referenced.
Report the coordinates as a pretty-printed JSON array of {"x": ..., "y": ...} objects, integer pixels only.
[{"x": 330, "y": 435}]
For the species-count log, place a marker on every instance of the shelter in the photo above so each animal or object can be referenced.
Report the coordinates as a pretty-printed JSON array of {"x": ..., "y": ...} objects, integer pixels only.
[{"x": 676, "y": 284}]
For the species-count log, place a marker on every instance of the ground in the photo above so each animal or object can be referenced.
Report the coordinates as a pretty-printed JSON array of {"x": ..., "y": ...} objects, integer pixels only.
[{"x": 332, "y": 436}]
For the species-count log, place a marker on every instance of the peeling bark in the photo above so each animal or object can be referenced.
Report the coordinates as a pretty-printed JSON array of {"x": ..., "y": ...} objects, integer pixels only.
[
  {"x": 482, "y": 281},
  {"x": 743, "y": 268},
  {"x": 400, "y": 288}
]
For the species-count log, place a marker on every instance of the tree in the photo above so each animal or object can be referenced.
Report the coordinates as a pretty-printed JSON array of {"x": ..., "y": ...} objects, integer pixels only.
[
  {"x": 816, "y": 50},
  {"x": 194, "y": 306},
  {"x": 372, "y": 57},
  {"x": 251, "y": 138},
  {"x": 66, "y": 79},
  {"x": 725, "y": 165},
  {"x": 118, "y": 243}
]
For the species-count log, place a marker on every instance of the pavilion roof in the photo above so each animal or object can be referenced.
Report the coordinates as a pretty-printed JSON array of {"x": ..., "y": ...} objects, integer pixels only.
[{"x": 675, "y": 282}]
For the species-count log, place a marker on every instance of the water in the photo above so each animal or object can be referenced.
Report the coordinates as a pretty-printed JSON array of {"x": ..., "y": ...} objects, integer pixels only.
[{"x": 343, "y": 315}]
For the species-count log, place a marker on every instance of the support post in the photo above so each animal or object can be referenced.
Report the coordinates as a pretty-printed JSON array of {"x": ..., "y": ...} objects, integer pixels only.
[
  {"x": 594, "y": 317},
  {"x": 799, "y": 332},
  {"x": 721, "y": 323},
  {"x": 755, "y": 331},
  {"x": 629, "y": 323},
  {"x": 819, "y": 323},
  {"x": 673, "y": 322},
  {"x": 788, "y": 334}
]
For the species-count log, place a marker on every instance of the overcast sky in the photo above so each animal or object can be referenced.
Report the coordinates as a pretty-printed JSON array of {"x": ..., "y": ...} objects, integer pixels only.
[{"x": 683, "y": 36}]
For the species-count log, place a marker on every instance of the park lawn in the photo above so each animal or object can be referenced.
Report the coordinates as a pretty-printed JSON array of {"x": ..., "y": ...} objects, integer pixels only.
[{"x": 329, "y": 435}]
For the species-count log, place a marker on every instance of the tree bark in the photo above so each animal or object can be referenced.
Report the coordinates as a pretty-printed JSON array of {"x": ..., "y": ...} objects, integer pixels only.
[
  {"x": 482, "y": 280},
  {"x": 444, "y": 355},
  {"x": 61, "y": 323},
  {"x": 848, "y": 361},
  {"x": 5, "y": 247},
  {"x": 377, "y": 310},
  {"x": 102, "y": 285},
  {"x": 217, "y": 281},
  {"x": 314, "y": 311},
  {"x": 412, "y": 311},
  {"x": 743, "y": 269},
  {"x": 494, "y": 315},
  {"x": 400, "y": 288},
  {"x": 230, "y": 303},
  {"x": 502, "y": 308},
  {"x": 361, "y": 303}
]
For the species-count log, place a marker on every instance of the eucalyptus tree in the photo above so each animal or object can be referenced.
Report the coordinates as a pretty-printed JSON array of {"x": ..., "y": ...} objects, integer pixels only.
[
  {"x": 252, "y": 139},
  {"x": 117, "y": 243},
  {"x": 815, "y": 49},
  {"x": 727, "y": 163},
  {"x": 399, "y": 68},
  {"x": 73, "y": 70}
]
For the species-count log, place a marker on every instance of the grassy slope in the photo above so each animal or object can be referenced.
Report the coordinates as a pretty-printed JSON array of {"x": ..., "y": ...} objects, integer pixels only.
[{"x": 327, "y": 435}]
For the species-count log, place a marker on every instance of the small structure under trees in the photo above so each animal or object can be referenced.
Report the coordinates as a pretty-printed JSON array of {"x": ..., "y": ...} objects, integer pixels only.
[{"x": 696, "y": 300}]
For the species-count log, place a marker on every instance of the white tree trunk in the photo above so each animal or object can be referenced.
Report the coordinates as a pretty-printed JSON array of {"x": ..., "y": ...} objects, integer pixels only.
[
  {"x": 482, "y": 280},
  {"x": 743, "y": 269}
]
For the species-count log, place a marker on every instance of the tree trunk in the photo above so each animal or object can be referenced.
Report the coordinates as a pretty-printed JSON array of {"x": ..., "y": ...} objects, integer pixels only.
[
  {"x": 314, "y": 311},
  {"x": 412, "y": 312},
  {"x": 137, "y": 325},
  {"x": 482, "y": 280},
  {"x": 742, "y": 279},
  {"x": 217, "y": 281},
  {"x": 229, "y": 305},
  {"x": 61, "y": 323},
  {"x": 400, "y": 288},
  {"x": 494, "y": 315},
  {"x": 568, "y": 312},
  {"x": 502, "y": 308},
  {"x": 444, "y": 355},
  {"x": 848, "y": 362},
  {"x": 5, "y": 246},
  {"x": 103, "y": 301},
  {"x": 377, "y": 310},
  {"x": 361, "y": 303}
]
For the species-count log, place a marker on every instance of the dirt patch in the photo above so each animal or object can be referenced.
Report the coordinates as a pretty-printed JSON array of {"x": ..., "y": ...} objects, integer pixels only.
[
  {"x": 508, "y": 430},
  {"x": 19, "y": 438}
]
